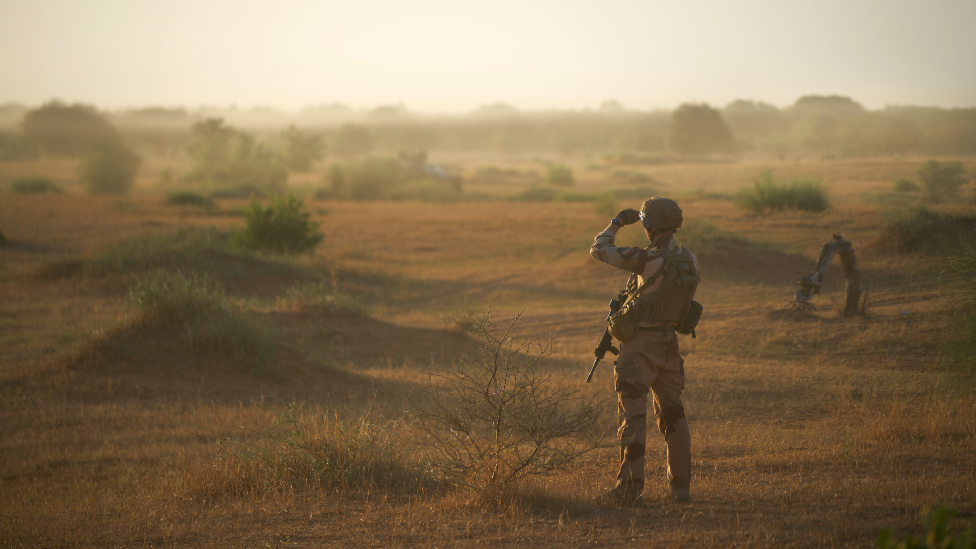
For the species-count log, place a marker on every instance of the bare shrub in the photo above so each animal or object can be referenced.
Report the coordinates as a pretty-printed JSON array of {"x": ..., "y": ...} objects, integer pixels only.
[
  {"x": 767, "y": 194},
  {"x": 499, "y": 420}
]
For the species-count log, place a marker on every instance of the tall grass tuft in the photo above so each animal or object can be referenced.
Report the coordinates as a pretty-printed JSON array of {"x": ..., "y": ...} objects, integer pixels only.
[
  {"x": 767, "y": 194},
  {"x": 302, "y": 450},
  {"x": 938, "y": 534},
  {"x": 196, "y": 310},
  {"x": 35, "y": 185},
  {"x": 961, "y": 355}
]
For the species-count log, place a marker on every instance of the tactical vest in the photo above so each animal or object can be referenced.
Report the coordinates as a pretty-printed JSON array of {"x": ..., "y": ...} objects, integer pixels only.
[{"x": 671, "y": 301}]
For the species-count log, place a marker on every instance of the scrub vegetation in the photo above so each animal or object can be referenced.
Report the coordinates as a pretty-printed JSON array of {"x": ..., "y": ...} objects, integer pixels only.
[{"x": 195, "y": 366}]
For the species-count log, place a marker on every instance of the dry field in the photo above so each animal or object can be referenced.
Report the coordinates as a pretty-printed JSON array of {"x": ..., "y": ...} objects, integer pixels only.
[{"x": 807, "y": 429}]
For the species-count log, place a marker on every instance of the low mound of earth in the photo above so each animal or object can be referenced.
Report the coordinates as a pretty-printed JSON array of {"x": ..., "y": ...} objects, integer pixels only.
[
  {"x": 310, "y": 355},
  {"x": 195, "y": 251}
]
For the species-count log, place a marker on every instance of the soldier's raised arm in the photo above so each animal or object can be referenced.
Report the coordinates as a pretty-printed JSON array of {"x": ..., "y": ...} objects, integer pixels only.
[{"x": 632, "y": 260}]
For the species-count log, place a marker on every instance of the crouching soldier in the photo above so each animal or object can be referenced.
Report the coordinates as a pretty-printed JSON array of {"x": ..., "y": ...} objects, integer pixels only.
[{"x": 649, "y": 360}]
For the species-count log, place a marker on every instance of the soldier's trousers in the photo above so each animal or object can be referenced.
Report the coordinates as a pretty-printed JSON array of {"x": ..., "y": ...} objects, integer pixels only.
[{"x": 651, "y": 362}]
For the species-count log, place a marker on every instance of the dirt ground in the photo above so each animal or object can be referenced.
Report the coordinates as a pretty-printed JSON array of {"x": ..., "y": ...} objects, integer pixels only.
[{"x": 808, "y": 429}]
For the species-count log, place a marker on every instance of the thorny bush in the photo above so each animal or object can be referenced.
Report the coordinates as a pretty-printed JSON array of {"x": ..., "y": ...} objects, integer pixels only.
[{"x": 497, "y": 420}]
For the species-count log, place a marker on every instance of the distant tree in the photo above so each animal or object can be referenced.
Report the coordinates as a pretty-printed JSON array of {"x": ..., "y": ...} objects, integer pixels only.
[
  {"x": 210, "y": 149},
  {"x": 754, "y": 118},
  {"x": 560, "y": 175},
  {"x": 109, "y": 168},
  {"x": 699, "y": 129},
  {"x": 68, "y": 130},
  {"x": 612, "y": 107},
  {"x": 830, "y": 104},
  {"x": 302, "y": 150},
  {"x": 941, "y": 180},
  {"x": 822, "y": 133},
  {"x": 352, "y": 140},
  {"x": 225, "y": 156},
  {"x": 496, "y": 110}
]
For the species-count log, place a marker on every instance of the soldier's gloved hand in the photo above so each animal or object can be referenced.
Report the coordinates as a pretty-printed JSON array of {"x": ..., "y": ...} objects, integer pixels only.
[{"x": 628, "y": 216}]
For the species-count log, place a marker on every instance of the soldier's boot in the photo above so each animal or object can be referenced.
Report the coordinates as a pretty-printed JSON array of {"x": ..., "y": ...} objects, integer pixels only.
[
  {"x": 624, "y": 494},
  {"x": 680, "y": 495},
  {"x": 678, "y": 438}
]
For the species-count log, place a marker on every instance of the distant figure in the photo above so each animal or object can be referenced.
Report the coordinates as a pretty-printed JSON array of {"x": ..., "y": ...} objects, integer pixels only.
[{"x": 650, "y": 361}]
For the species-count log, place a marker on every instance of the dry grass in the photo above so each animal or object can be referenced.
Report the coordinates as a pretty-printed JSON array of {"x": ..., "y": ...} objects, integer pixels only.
[{"x": 808, "y": 429}]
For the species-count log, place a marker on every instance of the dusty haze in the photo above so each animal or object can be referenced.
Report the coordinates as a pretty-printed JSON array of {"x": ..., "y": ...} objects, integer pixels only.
[{"x": 437, "y": 56}]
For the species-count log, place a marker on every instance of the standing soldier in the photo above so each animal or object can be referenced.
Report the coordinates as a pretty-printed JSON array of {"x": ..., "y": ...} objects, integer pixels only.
[{"x": 650, "y": 360}]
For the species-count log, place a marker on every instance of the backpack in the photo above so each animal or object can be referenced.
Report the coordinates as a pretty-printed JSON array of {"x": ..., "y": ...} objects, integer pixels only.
[{"x": 673, "y": 301}]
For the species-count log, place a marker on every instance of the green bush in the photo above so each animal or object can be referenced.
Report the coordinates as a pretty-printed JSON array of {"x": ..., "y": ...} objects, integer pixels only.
[
  {"x": 560, "y": 175},
  {"x": 35, "y": 185},
  {"x": 904, "y": 185},
  {"x": 920, "y": 229},
  {"x": 941, "y": 180},
  {"x": 938, "y": 535},
  {"x": 282, "y": 227},
  {"x": 109, "y": 168},
  {"x": 766, "y": 194},
  {"x": 227, "y": 158},
  {"x": 189, "y": 199},
  {"x": 370, "y": 178},
  {"x": 3, "y": 239}
]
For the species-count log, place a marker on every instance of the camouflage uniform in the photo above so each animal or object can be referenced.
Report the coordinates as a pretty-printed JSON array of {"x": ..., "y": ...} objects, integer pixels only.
[{"x": 649, "y": 361}]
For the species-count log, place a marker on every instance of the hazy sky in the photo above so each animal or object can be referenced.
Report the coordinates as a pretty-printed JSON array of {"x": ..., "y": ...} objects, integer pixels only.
[{"x": 455, "y": 55}]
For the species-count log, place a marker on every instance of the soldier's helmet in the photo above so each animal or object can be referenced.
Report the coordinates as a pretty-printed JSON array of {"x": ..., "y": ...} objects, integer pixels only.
[{"x": 660, "y": 214}]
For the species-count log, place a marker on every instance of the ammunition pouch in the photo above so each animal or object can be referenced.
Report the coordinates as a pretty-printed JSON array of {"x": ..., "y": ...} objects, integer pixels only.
[{"x": 687, "y": 326}]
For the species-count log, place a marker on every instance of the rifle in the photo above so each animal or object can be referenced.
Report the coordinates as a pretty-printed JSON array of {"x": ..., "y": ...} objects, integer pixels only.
[{"x": 606, "y": 343}]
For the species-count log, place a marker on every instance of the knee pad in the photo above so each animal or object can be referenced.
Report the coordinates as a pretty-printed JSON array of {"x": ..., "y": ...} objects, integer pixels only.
[
  {"x": 669, "y": 418},
  {"x": 633, "y": 451}
]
